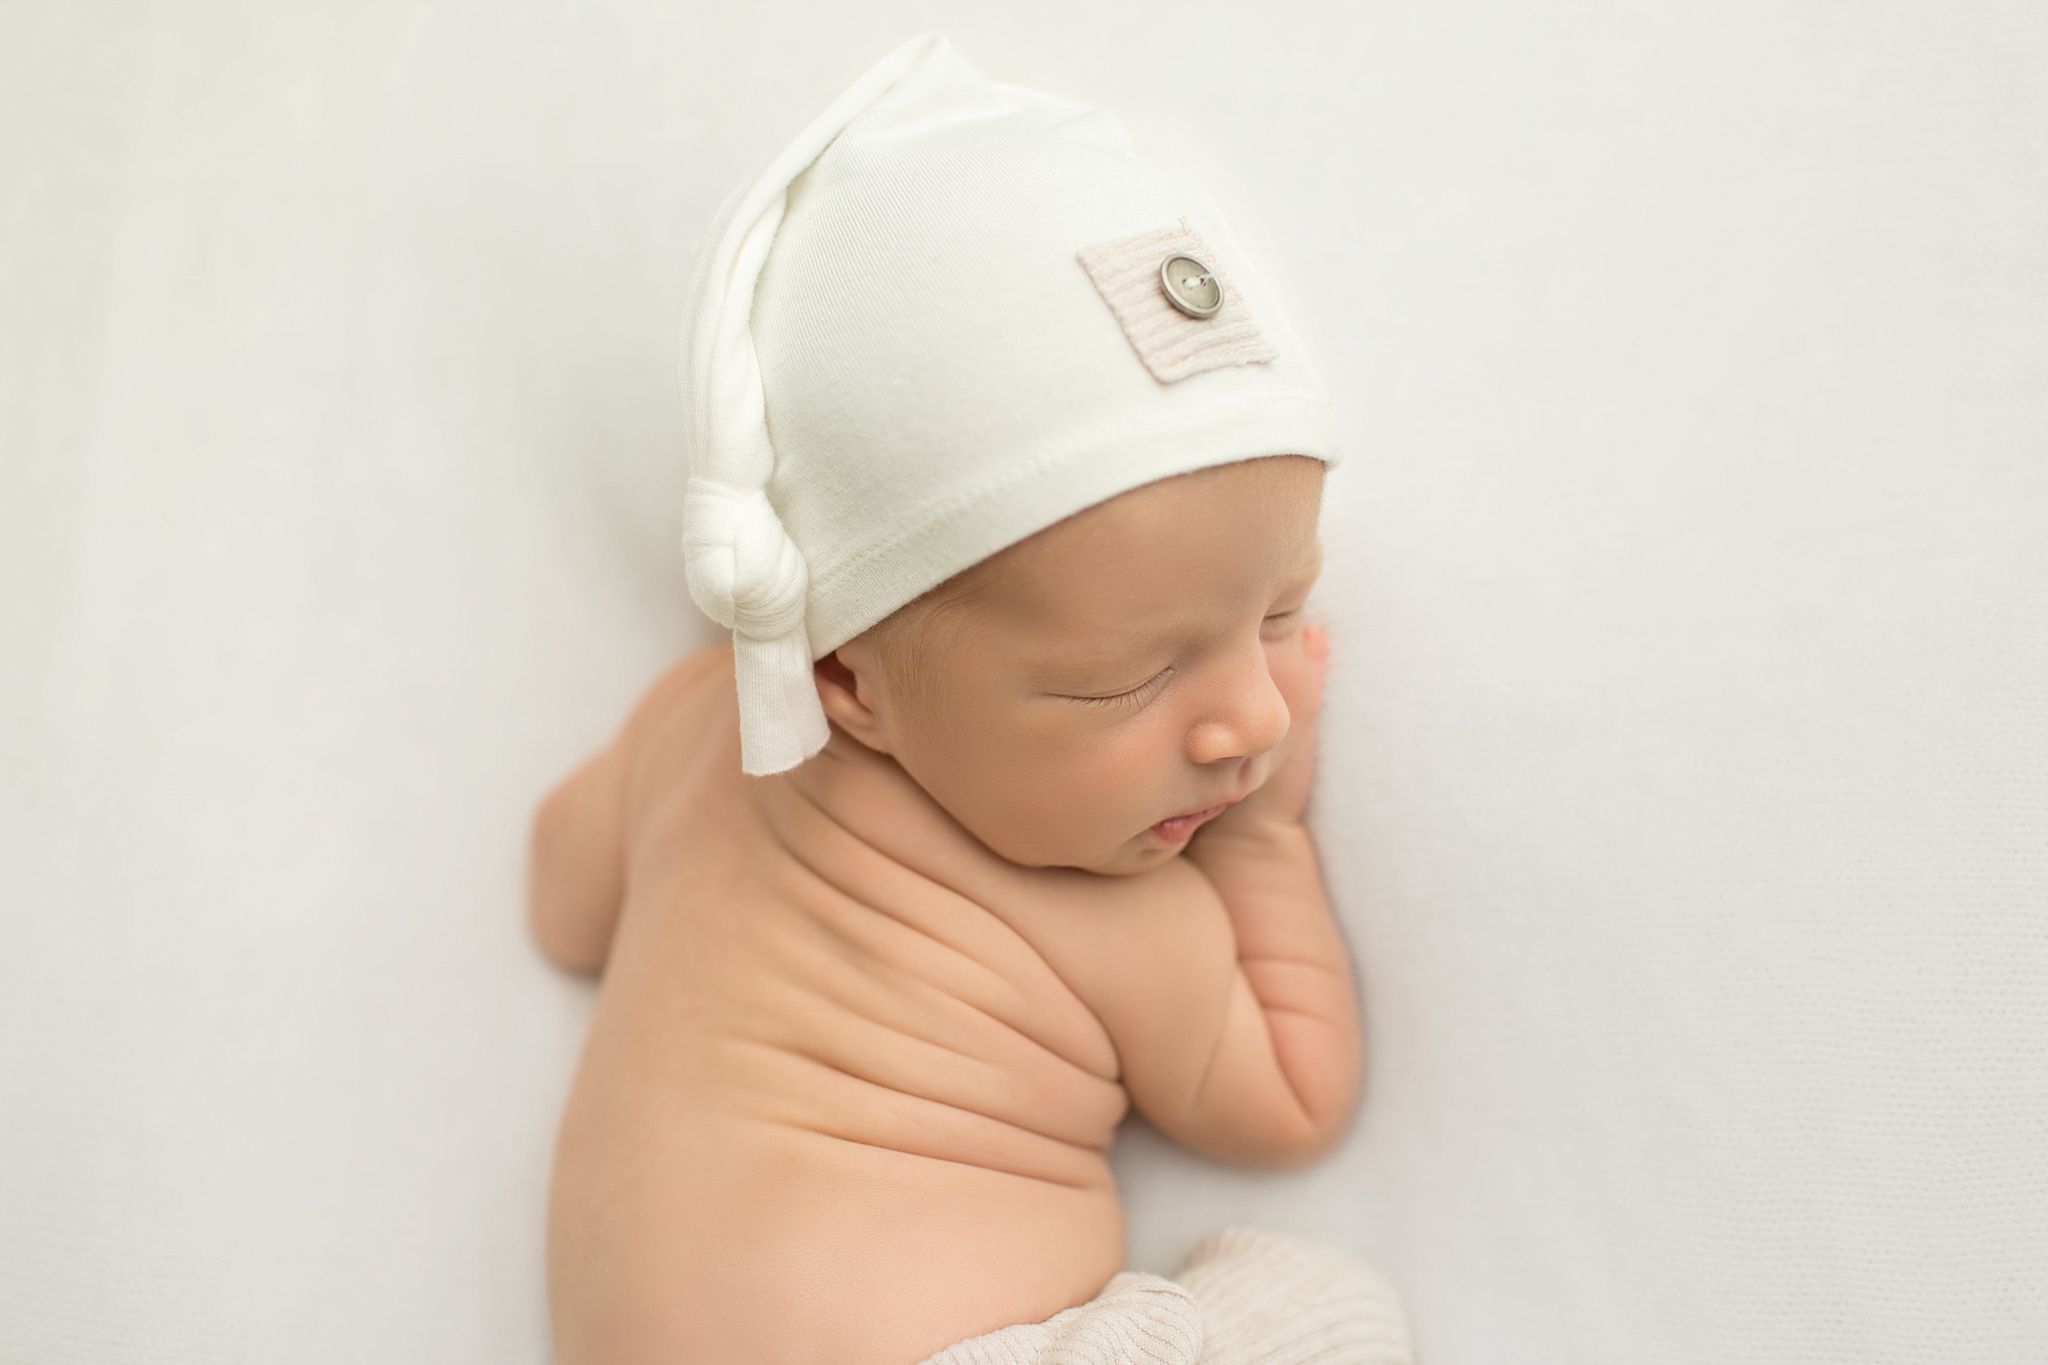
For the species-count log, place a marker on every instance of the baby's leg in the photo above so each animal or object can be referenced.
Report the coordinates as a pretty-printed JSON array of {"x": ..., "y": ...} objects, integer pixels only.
[{"x": 578, "y": 871}]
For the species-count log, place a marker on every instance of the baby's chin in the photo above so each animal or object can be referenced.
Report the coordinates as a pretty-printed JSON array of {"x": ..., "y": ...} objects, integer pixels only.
[
  {"x": 1151, "y": 847},
  {"x": 1028, "y": 843},
  {"x": 1127, "y": 859},
  {"x": 1132, "y": 857}
]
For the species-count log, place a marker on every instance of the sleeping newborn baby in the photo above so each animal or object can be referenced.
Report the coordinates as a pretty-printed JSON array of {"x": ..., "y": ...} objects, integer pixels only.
[{"x": 988, "y": 824}]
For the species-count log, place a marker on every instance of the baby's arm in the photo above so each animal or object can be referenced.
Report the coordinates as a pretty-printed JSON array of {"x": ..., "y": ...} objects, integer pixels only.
[
  {"x": 1284, "y": 1077},
  {"x": 1225, "y": 983},
  {"x": 577, "y": 876}
]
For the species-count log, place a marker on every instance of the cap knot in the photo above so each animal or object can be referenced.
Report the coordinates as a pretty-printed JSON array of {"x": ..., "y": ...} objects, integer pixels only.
[{"x": 744, "y": 570}]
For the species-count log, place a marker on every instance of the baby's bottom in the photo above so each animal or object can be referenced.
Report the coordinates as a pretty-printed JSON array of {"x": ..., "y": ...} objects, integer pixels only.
[{"x": 1244, "y": 1298}]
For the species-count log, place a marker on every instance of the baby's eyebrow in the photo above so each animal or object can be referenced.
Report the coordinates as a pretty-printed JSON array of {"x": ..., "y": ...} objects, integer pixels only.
[
  {"x": 1106, "y": 663},
  {"x": 1124, "y": 663}
]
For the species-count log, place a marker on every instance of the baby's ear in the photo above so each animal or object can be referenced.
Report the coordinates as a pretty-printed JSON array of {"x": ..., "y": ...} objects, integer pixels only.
[{"x": 849, "y": 680}]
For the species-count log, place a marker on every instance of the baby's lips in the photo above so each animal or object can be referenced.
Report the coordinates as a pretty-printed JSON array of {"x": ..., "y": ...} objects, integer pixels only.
[{"x": 1177, "y": 827}]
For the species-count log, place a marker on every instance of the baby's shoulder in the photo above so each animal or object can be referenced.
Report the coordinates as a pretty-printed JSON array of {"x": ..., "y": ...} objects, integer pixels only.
[
  {"x": 872, "y": 797},
  {"x": 1113, "y": 945},
  {"x": 695, "y": 692},
  {"x": 691, "y": 683},
  {"x": 1105, "y": 918},
  {"x": 687, "y": 721}
]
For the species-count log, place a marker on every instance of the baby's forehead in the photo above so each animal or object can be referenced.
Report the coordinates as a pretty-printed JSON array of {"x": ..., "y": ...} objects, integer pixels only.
[{"x": 1208, "y": 538}]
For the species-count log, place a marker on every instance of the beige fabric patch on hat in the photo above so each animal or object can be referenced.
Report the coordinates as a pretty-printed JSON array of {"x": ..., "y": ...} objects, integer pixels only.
[{"x": 1172, "y": 344}]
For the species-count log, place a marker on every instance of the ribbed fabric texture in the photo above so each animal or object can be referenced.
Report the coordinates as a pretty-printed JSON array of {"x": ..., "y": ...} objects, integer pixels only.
[
  {"x": 1245, "y": 1297},
  {"x": 1282, "y": 1300},
  {"x": 1137, "y": 1320},
  {"x": 1173, "y": 345}
]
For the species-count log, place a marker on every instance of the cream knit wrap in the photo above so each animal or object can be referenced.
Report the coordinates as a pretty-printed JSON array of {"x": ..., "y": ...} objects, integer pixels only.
[{"x": 931, "y": 328}]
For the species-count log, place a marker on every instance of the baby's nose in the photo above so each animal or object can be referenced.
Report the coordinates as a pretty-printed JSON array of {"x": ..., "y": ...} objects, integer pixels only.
[{"x": 1251, "y": 718}]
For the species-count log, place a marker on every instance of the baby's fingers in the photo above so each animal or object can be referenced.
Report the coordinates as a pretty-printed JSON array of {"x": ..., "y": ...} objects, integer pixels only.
[{"x": 1315, "y": 643}]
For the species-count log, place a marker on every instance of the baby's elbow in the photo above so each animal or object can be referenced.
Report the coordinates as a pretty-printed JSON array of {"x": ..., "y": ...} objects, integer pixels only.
[
  {"x": 560, "y": 940},
  {"x": 1320, "y": 1143},
  {"x": 1302, "y": 1140},
  {"x": 1280, "y": 1136},
  {"x": 571, "y": 904}
]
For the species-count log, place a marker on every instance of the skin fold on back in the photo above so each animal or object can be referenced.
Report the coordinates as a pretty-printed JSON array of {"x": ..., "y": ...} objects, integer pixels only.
[{"x": 831, "y": 1108}]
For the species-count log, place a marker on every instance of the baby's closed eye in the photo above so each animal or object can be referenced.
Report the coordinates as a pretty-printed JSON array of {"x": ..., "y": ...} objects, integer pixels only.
[{"x": 1128, "y": 696}]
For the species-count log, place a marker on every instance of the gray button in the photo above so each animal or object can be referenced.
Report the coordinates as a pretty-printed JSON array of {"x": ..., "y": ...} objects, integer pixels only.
[{"x": 1191, "y": 287}]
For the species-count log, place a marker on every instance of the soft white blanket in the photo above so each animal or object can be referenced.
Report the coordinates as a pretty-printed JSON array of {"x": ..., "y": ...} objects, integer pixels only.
[
  {"x": 1244, "y": 1296},
  {"x": 1684, "y": 782}
]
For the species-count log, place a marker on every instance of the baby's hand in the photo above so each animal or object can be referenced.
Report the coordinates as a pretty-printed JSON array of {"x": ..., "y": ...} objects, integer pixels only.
[
  {"x": 1298, "y": 671},
  {"x": 1296, "y": 1012}
]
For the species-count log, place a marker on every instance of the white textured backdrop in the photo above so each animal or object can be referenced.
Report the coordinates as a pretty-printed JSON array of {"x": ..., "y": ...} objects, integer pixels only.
[{"x": 1686, "y": 786}]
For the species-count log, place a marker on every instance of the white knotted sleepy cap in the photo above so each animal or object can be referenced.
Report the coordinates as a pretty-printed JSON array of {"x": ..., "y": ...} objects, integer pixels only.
[{"x": 950, "y": 314}]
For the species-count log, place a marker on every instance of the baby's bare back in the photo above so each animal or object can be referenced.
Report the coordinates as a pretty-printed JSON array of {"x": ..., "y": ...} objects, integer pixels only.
[{"x": 835, "y": 1105}]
